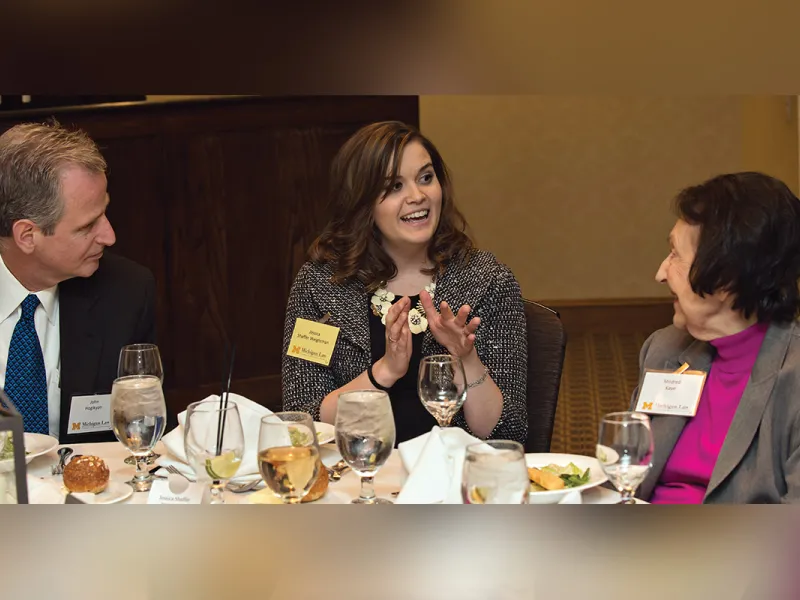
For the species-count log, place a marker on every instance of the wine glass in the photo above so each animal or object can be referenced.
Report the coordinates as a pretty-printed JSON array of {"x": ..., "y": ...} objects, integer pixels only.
[
  {"x": 442, "y": 386},
  {"x": 288, "y": 454},
  {"x": 625, "y": 451},
  {"x": 495, "y": 473},
  {"x": 365, "y": 435},
  {"x": 214, "y": 442},
  {"x": 141, "y": 359},
  {"x": 138, "y": 417}
]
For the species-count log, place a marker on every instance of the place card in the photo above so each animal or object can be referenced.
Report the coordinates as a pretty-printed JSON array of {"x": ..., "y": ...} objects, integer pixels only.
[
  {"x": 313, "y": 341},
  {"x": 90, "y": 414},
  {"x": 160, "y": 493},
  {"x": 670, "y": 393}
]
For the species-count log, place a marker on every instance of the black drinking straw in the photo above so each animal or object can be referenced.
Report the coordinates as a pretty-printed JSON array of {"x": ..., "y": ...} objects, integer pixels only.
[{"x": 223, "y": 397}]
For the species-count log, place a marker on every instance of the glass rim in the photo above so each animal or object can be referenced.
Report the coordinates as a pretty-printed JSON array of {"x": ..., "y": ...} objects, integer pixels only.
[
  {"x": 137, "y": 376},
  {"x": 625, "y": 416},
  {"x": 202, "y": 404},
  {"x": 513, "y": 446},
  {"x": 440, "y": 358},
  {"x": 133, "y": 347},
  {"x": 367, "y": 392}
]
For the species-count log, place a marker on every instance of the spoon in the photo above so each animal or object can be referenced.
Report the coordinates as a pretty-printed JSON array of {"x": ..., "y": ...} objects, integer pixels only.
[{"x": 63, "y": 454}]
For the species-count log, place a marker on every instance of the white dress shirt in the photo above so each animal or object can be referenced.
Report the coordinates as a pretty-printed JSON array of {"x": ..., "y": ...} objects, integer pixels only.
[{"x": 12, "y": 293}]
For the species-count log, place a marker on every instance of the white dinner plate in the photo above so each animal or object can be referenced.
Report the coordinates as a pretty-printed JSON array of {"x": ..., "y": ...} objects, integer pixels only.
[
  {"x": 115, "y": 492},
  {"x": 37, "y": 444},
  {"x": 596, "y": 474},
  {"x": 325, "y": 432}
]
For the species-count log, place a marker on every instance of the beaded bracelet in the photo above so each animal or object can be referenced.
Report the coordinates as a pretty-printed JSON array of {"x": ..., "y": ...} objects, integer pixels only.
[{"x": 480, "y": 380}]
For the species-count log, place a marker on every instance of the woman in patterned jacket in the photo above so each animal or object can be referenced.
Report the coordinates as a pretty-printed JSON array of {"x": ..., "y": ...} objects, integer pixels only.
[{"x": 396, "y": 272}]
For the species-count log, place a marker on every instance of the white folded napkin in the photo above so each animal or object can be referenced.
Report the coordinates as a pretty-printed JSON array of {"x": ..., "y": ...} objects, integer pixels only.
[
  {"x": 434, "y": 462},
  {"x": 45, "y": 491},
  {"x": 250, "y": 413}
]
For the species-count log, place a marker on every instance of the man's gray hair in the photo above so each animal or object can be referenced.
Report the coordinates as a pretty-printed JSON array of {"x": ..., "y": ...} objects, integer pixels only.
[{"x": 32, "y": 158}]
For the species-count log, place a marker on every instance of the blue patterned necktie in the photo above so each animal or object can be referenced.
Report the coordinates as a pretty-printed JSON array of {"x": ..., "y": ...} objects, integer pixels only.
[{"x": 26, "y": 380}]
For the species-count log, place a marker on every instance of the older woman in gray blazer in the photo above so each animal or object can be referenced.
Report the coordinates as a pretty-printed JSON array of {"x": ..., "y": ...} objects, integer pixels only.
[{"x": 733, "y": 268}]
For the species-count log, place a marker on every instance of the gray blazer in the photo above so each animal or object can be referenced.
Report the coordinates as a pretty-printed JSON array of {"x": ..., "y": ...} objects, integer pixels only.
[{"x": 759, "y": 462}]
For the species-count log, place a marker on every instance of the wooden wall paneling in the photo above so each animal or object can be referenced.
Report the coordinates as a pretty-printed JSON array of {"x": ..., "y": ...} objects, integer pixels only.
[
  {"x": 137, "y": 212},
  {"x": 620, "y": 316},
  {"x": 198, "y": 259},
  {"x": 221, "y": 199}
]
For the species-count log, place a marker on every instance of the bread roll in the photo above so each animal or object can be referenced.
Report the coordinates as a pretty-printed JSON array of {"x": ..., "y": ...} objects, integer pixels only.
[
  {"x": 320, "y": 486},
  {"x": 86, "y": 474}
]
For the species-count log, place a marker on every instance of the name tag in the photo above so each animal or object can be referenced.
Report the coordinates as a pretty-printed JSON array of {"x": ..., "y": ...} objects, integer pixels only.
[
  {"x": 160, "y": 493},
  {"x": 90, "y": 414},
  {"x": 667, "y": 393},
  {"x": 313, "y": 341}
]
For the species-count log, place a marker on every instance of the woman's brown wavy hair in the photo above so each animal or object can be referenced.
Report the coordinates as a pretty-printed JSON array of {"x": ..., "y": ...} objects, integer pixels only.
[{"x": 362, "y": 172}]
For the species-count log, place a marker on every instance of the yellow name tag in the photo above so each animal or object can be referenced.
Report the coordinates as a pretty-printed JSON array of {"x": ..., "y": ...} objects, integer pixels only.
[{"x": 313, "y": 341}]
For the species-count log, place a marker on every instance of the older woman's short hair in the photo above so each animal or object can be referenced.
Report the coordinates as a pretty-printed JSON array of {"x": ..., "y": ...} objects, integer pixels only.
[{"x": 749, "y": 242}]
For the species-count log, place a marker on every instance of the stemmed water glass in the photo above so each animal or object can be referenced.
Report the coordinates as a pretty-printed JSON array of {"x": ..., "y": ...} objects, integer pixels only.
[
  {"x": 138, "y": 417},
  {"x": 141, "y": 359},
  {"x": 214, "y": 443},
  {"x": 625, "y": 451},
  {"x": 365, "y": 435},
  {"x": 495, "y": 473},
  {"x": 442, "y": 386},
  {"x": 288, "y": 454}
]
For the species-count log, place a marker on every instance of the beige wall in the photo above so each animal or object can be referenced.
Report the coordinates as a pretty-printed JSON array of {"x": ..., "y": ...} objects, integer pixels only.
[
  {"x": 573, "y": 193},
  {"x": 769, "y": 130}
]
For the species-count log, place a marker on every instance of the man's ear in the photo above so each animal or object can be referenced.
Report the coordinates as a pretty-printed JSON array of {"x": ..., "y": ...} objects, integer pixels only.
[{"x": 23, "y": 232}]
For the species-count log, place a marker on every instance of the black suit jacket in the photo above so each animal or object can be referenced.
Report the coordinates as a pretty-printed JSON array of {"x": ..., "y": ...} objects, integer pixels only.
[{"x": 98, "y": 316}]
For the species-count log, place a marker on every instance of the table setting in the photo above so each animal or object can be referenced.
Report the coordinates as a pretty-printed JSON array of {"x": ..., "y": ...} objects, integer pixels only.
[
  {"x": 343, "y": 484},
  {"x": 228, "y": 449}
]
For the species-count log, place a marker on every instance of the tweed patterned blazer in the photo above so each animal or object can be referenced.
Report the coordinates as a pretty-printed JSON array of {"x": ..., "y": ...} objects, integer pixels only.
[{"x": 483, "y": 283}]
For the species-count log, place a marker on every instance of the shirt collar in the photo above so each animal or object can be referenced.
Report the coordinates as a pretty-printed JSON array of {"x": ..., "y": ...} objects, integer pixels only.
[{"x": 12, "y": 293}]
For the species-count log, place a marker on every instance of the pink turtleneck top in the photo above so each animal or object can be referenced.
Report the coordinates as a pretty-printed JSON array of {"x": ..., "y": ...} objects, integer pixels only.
[{"x": 688, "y": 470}]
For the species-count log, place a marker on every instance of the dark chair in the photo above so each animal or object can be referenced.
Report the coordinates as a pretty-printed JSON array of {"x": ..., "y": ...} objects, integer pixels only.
[{"x": 547, "y": 343}]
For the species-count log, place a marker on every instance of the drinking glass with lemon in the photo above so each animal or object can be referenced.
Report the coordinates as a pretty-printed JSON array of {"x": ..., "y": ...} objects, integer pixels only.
[{"x": 214, "y": 444}]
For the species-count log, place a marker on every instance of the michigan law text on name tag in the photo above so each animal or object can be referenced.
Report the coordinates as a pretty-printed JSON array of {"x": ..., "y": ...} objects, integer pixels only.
[
  {"x": 313, "y": 341},
  {"x": 665, "y": 393}
]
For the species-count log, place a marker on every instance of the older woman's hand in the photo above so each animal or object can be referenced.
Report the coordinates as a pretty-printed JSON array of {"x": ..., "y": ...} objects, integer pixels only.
[
  {"x": 451, "y": 330},
  {"x": 394, "y": 363}
]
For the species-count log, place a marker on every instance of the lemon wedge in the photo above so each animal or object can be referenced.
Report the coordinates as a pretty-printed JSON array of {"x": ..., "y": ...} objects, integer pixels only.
[
  {"x": 478, "y": 495},
  {"x": 223, "y": 466}
]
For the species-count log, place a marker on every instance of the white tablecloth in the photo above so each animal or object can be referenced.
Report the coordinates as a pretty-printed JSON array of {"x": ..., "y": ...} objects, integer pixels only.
[{"x": 389, "y": 479}]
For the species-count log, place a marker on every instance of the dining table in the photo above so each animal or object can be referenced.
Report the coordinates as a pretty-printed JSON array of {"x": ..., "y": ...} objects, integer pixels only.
[{"x": 388, "y": 481}]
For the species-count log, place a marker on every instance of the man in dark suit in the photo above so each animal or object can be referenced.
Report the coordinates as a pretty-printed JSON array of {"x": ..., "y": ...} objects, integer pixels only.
[{"x": 66, "y": 306}]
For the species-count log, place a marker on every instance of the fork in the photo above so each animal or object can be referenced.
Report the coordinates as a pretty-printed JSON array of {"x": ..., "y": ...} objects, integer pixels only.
[
  {"x": 241, "y": 488},
  {"x": 172, "y": 469}
]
